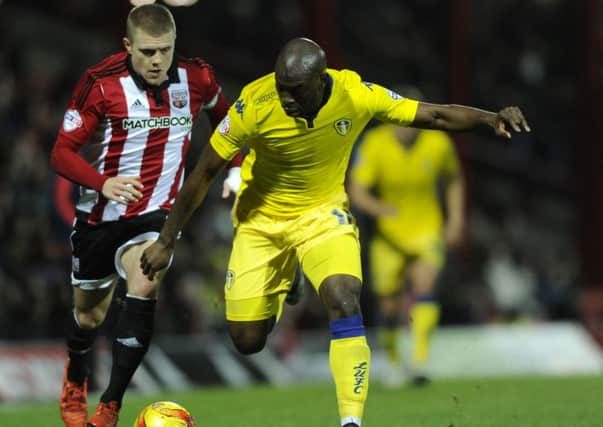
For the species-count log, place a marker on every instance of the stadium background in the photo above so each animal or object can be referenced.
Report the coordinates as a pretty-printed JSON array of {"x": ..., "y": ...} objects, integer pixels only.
[{"x": 535, "y": 240}]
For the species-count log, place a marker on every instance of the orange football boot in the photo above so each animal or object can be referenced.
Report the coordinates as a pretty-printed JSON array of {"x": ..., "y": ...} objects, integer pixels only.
[
  {"x": 106, "y": 415},
  {"x": 74, "y": 408}
]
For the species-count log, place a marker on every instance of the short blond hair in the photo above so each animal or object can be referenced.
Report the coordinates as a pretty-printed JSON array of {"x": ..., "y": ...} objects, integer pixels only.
[{"x": 154, "y": 19}]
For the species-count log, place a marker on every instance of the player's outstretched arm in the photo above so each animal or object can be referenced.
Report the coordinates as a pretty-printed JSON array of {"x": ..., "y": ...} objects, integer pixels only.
[
  {"x": 459, "y": 117},
  {"x": 157, "y": 256}
]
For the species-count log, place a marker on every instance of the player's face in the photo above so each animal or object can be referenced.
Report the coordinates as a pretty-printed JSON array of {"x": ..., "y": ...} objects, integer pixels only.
[
  {"x": 300, "y": 97},
  {"x": 151, "y": 56}
]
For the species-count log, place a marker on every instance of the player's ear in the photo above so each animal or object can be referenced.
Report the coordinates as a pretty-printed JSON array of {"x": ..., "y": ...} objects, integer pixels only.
[
  {"x": 324, "y": 79},
  {"x": 127, "y": 44}
]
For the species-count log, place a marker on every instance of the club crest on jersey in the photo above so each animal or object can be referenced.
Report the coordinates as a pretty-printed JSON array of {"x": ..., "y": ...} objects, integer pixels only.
[
  {"x": 224, "y": 128},
  {"x": 343, "y": 126},
  {"x": 72, "y": 120},
  {"x": 179, "y": 98}
]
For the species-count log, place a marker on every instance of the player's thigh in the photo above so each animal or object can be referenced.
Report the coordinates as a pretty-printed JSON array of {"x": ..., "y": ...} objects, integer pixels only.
[
  {"x": 387, "y": 265},
  {"x": 426, "y": 266},
  {"x": 87, "y": 300},
  {"x": 260, "y": 273},
  {"x": 423, "y": 275},
  {"x": 137, "y": 282},
  {"x": 338, "y": 254}
]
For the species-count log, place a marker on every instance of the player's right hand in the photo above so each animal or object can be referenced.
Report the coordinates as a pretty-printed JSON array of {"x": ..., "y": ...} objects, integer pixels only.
[
  {"x": 123, "y": 189},
  {"x": 510, "y": 117},
  {"x": 155, "y": 258}
]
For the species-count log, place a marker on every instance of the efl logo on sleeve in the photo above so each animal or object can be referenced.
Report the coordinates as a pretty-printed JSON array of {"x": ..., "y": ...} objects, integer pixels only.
[
  {"x": 224, "y": 127},
  {"x": 393, "y": 95},
  {"x": 72, "y": 120}
]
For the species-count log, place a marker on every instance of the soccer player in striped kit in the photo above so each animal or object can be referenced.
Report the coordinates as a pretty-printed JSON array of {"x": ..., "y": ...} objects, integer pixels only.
[
  {"x": 131, "y": 116},
  {"x": 300, "y": 124}
]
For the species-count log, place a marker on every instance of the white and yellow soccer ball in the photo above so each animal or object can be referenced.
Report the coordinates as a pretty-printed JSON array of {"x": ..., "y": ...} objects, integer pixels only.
[{"x": 164, "y": 414}]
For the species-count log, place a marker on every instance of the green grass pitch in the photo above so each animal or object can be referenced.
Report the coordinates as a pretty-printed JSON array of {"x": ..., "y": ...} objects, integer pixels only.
[{"x": 505, "y": 402}]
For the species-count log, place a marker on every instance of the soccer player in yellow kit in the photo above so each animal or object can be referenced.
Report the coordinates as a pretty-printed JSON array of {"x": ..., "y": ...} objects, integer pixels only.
[
  {"x": 404, "y": 167},
  {"x": 300, "y": 124}
]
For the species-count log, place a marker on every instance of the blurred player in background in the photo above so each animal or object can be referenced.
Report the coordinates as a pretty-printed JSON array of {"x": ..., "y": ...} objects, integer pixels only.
[
  {"x": 132, "y": 114},
  {"x": 395, "y": 179},
  {"x": 300, "y": 124}
]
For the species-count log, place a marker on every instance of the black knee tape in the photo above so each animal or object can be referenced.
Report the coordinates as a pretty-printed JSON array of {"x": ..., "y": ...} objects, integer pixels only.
[
  {"x": 79, "y": 340},
  {"x": 135, "y": 324}
]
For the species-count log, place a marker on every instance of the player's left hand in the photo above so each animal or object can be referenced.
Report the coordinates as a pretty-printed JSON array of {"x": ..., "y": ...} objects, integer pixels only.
[
  {"x": 232, "y": 183},
  {"x": 155, "y": 258},
  {"x": 513, "y": 117}
]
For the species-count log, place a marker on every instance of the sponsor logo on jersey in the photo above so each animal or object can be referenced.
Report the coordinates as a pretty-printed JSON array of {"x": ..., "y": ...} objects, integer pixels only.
[
  {"x": 179, "y": 98},
  {"x": 343, "y": 126},
  {"x": 266, "y": 97},
  {"x": 230, "y": 278},
  {"x": 137, "y": 105},
  {"x": 158, "y": 122},
  {"x": 224, "y": 128},
  {"x": 393, "y": 95},
  {"x": 72, "y": 120},
  {"x": 360, "y": 376}
]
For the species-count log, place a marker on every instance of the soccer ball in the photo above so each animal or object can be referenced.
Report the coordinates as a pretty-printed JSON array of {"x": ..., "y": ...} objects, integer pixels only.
[{"x": 164, "y": 414}]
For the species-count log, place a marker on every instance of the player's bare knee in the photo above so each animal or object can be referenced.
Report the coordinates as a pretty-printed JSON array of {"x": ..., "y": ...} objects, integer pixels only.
[
  {"x": 248, "y": 337},
  {"x": 91, "y": 319},
  {"x": 341, "y": 296},
  {"x": 249, "y": 345}
]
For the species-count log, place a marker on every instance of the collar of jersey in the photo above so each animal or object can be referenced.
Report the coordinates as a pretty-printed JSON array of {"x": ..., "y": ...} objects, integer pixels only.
[
  {"x": 325, "y": 98},
  {"x": 142, "y": 84}
]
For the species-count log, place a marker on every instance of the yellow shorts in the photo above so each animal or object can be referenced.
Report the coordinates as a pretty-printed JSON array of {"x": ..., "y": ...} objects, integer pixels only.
[
  {"x": 388, "y": 261},
  {"x": 267, "y": 250}
]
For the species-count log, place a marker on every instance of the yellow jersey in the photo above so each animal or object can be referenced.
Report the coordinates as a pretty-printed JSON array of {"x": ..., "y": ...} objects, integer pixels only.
[
  {"x": 296, "y": 164},
  {"x": 407, "y": 178}
]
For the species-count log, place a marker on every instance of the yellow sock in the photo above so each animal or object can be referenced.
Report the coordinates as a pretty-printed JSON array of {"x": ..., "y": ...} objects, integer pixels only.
[
  {"x": 389, "y": 339},
  {"x": 425, "y": 317},
  {"x": 350, "y": 359}
]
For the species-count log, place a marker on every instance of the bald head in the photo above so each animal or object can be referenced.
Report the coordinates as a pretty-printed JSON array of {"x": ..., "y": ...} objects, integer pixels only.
[
  {"x": 301, "y": 76},
  {"x": 299, "y": 59}
]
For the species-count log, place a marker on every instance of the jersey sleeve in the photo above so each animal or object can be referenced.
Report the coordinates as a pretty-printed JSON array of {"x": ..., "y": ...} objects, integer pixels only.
[
  {"x": 235, "y": 130},
  {"x": 383, "y": 104},
  {"x": 85, "y": 110},
  {"x": 365, "y": 167},
  {"x": 216, "y": 104},
  {"x": 83, "y": 114}
]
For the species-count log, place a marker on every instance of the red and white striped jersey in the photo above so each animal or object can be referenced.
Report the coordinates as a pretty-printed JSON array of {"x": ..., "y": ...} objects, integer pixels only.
[{"x": 124, "y": 127}]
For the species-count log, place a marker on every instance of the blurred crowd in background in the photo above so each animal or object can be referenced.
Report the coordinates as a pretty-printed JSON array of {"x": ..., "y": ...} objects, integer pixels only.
[{"x": 520, "y": 260}]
